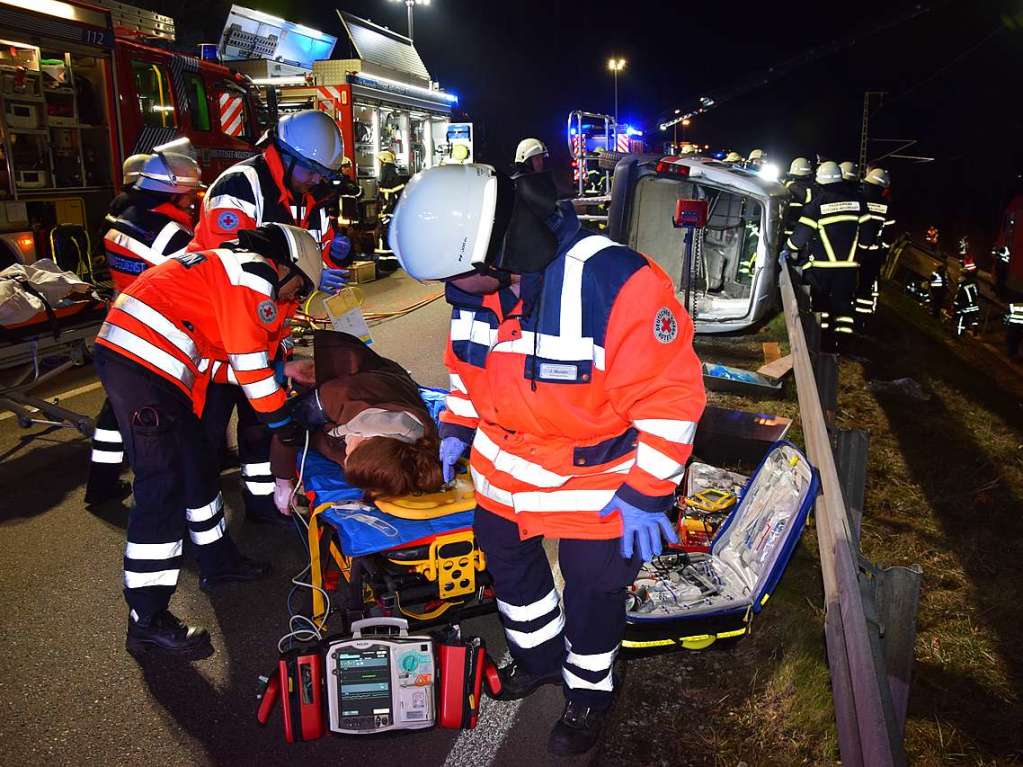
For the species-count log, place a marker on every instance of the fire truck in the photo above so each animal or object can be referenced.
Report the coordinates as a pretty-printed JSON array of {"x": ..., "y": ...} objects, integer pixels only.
[{"x": 84, "y": 85}]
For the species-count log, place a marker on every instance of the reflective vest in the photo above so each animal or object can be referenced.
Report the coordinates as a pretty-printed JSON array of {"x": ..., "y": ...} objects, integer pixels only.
[
  {"x": 586, "y": 386},
  {"x": 829, "y": 228},
  {"x": 197, "y": 307},
  {"x": 965, "y": 300},
  {"x": 252, "y": 193},
  {"x": 876, "y": 232},
  {"x": 140, "y": 237}
]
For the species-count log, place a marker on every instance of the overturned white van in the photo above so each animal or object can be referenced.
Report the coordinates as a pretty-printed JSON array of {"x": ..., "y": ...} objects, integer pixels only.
[{"x": 731, "y": 280}]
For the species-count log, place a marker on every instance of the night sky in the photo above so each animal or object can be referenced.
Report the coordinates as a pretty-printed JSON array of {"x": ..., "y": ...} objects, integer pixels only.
[{"x": 953, "y": 77}]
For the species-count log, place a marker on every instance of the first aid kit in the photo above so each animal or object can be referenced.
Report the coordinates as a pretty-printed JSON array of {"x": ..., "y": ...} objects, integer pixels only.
[
  {"x": 690, "y": 601},
  {"x": 298, "y": 684},
  {"x": 380, "y": 679}
]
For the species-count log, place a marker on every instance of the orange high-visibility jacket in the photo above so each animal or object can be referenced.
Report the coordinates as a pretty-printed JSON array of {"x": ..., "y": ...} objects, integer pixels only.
[
  {"x": 587, "y": 386},
  {"x": 141, "y": 237},
  {"x": 212, "y": 305},
  {"x": 252, "y": 193}
]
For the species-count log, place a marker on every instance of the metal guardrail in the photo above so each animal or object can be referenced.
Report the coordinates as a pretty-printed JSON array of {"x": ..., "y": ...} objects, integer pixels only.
[{"x": 869, "y": 734}]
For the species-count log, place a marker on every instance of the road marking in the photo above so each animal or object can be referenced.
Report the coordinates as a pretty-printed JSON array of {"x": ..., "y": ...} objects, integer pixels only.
[
  {"x": 478, "y": 747},
  {"x": 60, "y": 397}
]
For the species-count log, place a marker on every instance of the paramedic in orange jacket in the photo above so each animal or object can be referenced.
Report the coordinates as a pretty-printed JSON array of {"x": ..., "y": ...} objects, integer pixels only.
[
  {"x": 286, "y": 183},
  {"x": 574, "y": 379},
  {"x": 152, "y": 355}
]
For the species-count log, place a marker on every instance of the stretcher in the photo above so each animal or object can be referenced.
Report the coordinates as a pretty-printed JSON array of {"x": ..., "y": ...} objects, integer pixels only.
[
  {"x": 35, "y": 351},
  {"x": 412, "y": 557}
]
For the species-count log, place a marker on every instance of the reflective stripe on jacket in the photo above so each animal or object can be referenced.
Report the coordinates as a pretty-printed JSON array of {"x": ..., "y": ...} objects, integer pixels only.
[
  {"x": 828, "y": 228},
  {"x": 252, "y": 193},
  {"x": 197, "y": 307},
  {"x": 587, "y": 386},
  {"x": 141, "y": 236}
]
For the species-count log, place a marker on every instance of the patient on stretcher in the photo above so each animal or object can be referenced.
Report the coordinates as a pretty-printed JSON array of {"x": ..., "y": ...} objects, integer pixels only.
[{"x": 366, "y": 415}]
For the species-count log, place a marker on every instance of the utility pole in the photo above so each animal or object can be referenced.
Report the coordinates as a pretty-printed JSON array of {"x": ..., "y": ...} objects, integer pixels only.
[{"x": 864, "y": 130}]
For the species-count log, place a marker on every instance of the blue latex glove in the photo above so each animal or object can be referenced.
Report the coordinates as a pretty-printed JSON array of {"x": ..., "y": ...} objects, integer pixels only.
[
  {"x": 332, "y": 280},
  {"x": 640, "y": 528},
  {"x": 451, "y": 450},
  {"x": 784, "y": 256},
  {"x": 340, "y": 248}
]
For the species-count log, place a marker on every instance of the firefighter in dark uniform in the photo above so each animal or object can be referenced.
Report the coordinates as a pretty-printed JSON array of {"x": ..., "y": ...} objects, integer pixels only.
[
  {"x": 938, "y": 284},
  {"x": 287, "y": 183},
  {"x": 1014, "y": 331},
  {"x": 824, "y": 244},
  {"x": 150, "y": 221},
  {"x": 530, "y": 156},
  {"x": 875, "y": 241},
  {"x": 799, "y": 185},
  {"x": 392, "y": 184},
  {"x": 966, "y": 302}
]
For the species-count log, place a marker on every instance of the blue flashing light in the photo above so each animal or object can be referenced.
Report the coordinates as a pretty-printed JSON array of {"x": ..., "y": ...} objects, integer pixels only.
[
  {"x": 572, "y": 132},
  {"x": 630, "y": 131}
]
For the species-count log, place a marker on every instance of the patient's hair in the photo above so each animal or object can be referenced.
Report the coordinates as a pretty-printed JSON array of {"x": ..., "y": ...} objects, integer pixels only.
[{"x": 383, "y": 466}]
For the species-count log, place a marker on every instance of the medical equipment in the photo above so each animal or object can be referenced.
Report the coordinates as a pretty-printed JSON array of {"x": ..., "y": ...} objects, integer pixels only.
[
  {"x": 461, "y": 664},
  {"x": 379, "y": 682}
]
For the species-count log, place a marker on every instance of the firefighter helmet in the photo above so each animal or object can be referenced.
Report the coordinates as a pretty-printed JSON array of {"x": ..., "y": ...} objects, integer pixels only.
[
  {"x": 530, "y": 147},
  {"x": 733, "y": 157},
  {"x": 386, "y": 156},
  {"x": 312, "y": 138},
  {"x": 757, "y": 157},
  {"x": 800, "y": 167},
  {"x": 132, "y": 167},
  {"x": 828, "y": 173},
  {"x": 878, "y": 176},
  {"x": 849, "y": 171},
  {"x": 170, "y": 173},
  {"x": 442, "y": 225}
]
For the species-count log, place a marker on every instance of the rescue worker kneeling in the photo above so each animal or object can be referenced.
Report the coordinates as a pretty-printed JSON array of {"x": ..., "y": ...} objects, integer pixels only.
[
  {"x": 151, "y": 356},
  {"x": 574, "y": 378},
  {"x": 366, "y": 415}
]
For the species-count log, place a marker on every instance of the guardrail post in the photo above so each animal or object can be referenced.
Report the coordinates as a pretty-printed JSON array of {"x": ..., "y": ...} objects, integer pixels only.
[
  {"x": 850, "y": 447},
  {"x": 898, "y": 596}
]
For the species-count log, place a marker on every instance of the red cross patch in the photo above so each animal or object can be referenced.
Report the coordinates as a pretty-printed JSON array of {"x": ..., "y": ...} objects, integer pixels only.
[{"x": 665, "y": 326}]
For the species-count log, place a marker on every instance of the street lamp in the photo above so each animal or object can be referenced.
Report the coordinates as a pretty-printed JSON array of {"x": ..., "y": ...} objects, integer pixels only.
[
  {"x": 616, "y": 66},
  {"x": 409, "y": 5}
]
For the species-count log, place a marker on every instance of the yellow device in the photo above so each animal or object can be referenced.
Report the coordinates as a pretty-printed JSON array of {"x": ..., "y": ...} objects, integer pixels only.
[
  {"x": 459, "y": 496},
  {"x": 711, "y": 500}
]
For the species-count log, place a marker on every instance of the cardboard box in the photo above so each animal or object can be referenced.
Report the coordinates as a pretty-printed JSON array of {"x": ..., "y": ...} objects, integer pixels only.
[{"x": 361, "y": 272}]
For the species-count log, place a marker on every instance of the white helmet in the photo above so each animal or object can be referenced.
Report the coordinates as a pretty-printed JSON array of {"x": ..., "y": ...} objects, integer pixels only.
[
  {"x": 132, "y": 167},
  {"x": 442, "y": 225},
  {"x": 313, "y": 138},
  {"x": 756, "y": 156},
  {"x": 800, "y": 167},
  {"x": 688, "y": 149},
  {"x": 878, "y": 176},
  {"x": 849, "y": 171},
  {"x": 828, "y": 173},
  {"x": 733, "y": 157},
  {"x": 530, "y": 147},
  {"x": 303, "y": 252},
  {"x": 170, "y": 173}
]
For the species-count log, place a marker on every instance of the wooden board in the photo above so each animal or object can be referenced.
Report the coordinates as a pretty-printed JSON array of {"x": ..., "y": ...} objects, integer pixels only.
[{"x": 778, "y": 368}]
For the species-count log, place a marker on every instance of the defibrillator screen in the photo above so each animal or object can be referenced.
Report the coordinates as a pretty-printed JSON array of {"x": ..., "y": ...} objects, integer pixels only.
[{"x": 365, "y": 676}]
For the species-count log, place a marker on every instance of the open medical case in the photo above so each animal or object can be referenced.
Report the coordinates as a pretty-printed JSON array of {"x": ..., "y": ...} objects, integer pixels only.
[{"x": 690, "y": 601}]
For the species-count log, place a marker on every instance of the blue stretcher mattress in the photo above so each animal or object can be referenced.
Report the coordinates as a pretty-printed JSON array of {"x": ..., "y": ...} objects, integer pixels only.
[{"x": 367, "y": 530}]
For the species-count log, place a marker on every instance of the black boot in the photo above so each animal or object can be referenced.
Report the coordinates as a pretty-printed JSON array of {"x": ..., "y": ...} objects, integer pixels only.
[
  {"x": 577, "y": 731},
  {"x": 269, "y": 518},
  {"x": 165, "y": 632},
  {"x": 517, "y": 683},
  {"x": 243, "y": 569},
  {"x": 108, "y": 493}
]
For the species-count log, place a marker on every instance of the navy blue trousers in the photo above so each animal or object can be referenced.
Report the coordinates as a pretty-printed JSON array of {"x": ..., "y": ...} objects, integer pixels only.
[
  {"x": 253, "y": 445},
  {"x": 176, "y": 487},
  {"x": 107, "y": 456},
  {"x": 582, "y": 636}
]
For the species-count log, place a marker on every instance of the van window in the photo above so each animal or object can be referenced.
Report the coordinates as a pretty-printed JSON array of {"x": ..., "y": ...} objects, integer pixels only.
[
  {"x": 152, "y": 85},
  {"x": 233, "y": 113},
  {"x": 198, "y": 107}
]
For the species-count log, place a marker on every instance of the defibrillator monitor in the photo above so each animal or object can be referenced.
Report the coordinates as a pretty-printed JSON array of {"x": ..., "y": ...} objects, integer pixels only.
[{"x": 380, "y": 683}]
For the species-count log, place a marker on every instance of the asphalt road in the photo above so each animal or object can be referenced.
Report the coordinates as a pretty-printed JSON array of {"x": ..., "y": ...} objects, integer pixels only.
[{"x": 70, "y": 694}]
